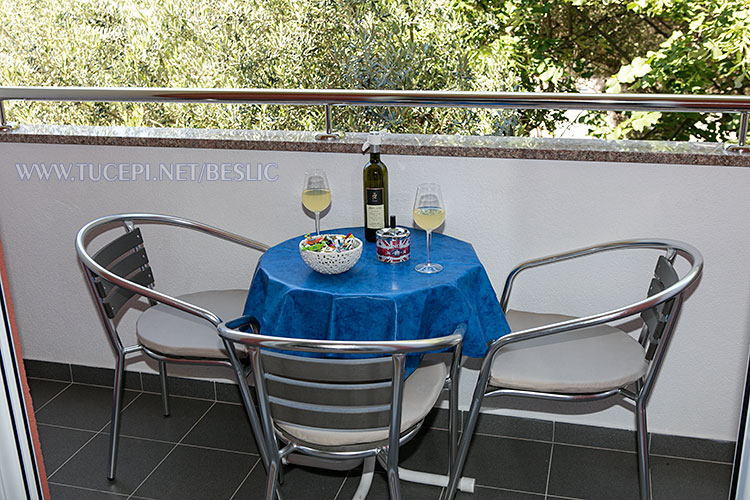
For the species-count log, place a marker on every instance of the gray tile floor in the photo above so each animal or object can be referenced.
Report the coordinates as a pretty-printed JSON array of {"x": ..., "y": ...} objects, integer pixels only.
[{"x": 205, "y": 451}]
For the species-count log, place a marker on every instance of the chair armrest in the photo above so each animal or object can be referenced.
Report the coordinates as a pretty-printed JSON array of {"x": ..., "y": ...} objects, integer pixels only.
[
  {"x": 692, "y": 254},
  {"x": 675, "y": 291},
  {"x": 169, "y": 220},
  {"x": 229, "y": 330}
]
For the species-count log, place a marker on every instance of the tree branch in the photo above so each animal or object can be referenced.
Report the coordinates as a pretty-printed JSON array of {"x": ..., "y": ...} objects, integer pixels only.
[{"x": 613, "y": 43}]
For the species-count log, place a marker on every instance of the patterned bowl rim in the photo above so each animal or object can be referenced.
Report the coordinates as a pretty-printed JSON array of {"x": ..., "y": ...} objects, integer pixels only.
[{"x": 345, "y": 252}]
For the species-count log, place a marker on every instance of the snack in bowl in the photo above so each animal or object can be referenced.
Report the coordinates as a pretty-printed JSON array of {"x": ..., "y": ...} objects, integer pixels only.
[{"x": 330, "y": 253}]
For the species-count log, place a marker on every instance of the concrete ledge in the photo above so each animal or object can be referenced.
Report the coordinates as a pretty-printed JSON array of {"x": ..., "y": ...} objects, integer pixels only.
[{"x": 656, "y": 152}]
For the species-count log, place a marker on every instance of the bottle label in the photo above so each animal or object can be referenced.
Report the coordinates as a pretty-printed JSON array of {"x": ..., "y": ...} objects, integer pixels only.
[{"x": 375, "y": 209}]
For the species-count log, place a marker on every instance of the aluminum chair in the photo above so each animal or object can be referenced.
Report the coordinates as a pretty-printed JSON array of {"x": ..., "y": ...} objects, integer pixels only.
[
  {"x": 563, "y": 358},
  {"x": 346, "y": 410},
  {"x": 173, "y": 329}
]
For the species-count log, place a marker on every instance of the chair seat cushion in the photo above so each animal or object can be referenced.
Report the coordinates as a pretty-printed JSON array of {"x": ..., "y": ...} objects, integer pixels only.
[
  {"x": 172, "y": 332},
  {"x": 421, "y": 391},
  {"x": 588, "y": 360}
]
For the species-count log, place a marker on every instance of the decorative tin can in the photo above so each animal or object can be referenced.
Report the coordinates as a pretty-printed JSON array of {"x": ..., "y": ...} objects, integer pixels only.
[{"x": 393, "y": 243}]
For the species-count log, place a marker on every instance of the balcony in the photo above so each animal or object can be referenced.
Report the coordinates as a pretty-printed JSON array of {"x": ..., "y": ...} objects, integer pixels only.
[{"x": 511, "y": 198}]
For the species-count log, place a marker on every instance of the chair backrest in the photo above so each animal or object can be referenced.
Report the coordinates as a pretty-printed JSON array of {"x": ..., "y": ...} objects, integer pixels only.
[
  {"x": 121, "y": 270},
  {"x": 655, "y": 319},
  {"x": 126, "y": 257},
  {"x": 359, "y": 386},
  {"x": 329, "y": 393}
]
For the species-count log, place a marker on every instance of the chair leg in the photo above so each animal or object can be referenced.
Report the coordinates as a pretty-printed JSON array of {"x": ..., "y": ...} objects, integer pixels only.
[
  {"x": 453, "y": 424},
  {"x": 468, "y": 432},
  {"x": 164, "y": 387},
  {"x": 247, "y": 400},
  {"x": 643, "y": 469},
  {"x": 272, "y": 480},
  {"x": 114, "y": 436},
  {"x": 280, "y": 474},
  {"x": 393, "y": 482}
]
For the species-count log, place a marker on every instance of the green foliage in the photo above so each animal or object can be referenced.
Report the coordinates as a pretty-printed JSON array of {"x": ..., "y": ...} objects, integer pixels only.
[
  {"x": 651, "y": 46},
  {"x": 708, "y": 52},
  {"x": 349, "y": 44}
]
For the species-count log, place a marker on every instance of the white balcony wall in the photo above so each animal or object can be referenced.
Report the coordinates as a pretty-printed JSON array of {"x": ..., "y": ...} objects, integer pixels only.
[{"x": 509, "y": 209}]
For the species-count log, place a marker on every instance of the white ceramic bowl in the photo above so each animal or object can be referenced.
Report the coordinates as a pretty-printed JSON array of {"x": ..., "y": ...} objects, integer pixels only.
[{"x": 332, "y": 262}]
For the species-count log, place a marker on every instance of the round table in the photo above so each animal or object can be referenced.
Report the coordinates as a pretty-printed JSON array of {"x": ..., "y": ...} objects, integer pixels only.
[{"x": 375, "y": 300}]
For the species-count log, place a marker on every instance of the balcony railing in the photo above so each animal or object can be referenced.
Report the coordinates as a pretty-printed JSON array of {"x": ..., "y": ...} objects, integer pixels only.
[{"x": 409, "y": 98}]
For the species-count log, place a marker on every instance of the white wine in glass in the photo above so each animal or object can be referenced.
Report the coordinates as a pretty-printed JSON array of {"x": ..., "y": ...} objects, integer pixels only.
[
  {"x": 429, "y": 214},
  {"x": 316, "y": 195}
]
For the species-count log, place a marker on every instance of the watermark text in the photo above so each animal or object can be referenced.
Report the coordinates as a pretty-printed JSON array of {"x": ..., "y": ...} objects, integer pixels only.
[{"x": 157, "y": 172}]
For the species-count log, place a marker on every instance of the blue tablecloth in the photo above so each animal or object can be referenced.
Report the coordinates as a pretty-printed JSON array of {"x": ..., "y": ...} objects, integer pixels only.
[{"x": 378, "y": 301}]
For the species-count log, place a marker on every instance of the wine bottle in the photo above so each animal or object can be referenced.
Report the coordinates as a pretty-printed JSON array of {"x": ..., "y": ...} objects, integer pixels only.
[{"x": 375, "y": 180}]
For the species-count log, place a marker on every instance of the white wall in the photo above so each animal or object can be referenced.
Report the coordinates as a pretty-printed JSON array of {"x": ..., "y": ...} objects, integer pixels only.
[{"x": 509, "y": 209}]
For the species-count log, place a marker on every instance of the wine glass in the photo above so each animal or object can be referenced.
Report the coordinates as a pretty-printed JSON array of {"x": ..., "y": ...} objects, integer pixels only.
[
  {"x": 316, "y": 195},
  {"x": 429, "y": 213}
]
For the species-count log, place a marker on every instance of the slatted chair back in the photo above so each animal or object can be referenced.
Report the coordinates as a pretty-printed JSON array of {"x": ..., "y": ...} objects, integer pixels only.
[
  {"x": 343, "y": 394},
  {"x": 126, "y": 257},
  {"x": 655, "y": 319}
]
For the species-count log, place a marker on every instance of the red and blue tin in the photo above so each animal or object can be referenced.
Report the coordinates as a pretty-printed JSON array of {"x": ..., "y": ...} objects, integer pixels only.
[{"x": 393, "y": 244}]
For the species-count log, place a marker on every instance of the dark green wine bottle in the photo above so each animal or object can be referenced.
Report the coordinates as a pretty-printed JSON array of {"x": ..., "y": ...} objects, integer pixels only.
[{"x": 375, "y": 181}]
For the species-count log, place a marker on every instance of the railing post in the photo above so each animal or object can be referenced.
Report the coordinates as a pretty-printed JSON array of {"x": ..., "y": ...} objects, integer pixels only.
[
  {"x": 329, "y": 134},
  {"x": 4, "y": 125},
  {"x": 742, "y": 136},
  {"x": 741, "y": 146}
]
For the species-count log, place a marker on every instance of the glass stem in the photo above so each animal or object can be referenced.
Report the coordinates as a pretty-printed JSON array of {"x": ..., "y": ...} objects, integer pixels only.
[
  {"x": 429, "y": 246},
  {"x": 317, "y": 223}
]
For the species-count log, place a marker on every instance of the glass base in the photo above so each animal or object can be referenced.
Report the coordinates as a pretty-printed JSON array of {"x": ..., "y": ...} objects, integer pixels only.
[{"x": 428, "y": 268}]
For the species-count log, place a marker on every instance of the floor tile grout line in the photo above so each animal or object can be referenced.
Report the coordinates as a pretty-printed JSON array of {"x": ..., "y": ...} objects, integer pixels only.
[
  {"x": 196, "y": 398},
  {"x": 132, "y": 495},
  {"x": 549, "y": 467},
  {"x": 704, "y": 460},
  {"x": 196, "y": 423},
  {"x": 122, "y": 410},
  {"x": 131, "y": 436},
  {"x": 341, "y": 486},
  {"x": 52, "y": 398},
  {"x": 46, "y": 379},
  {"x": 50, "y": 476},
  {"x": 153, "y": 440},
  {"x": 598, "y": 448},
  {"x": 170, "y": 451},
  {"x": 244, "y": 479},
  {"x": 139, "y": 390},
  {"x": 201, "y": 447},
  {"x": 91, "y": 438},
  {"x": 124, "y": 495},
  {"x": 567, "y": 498},
  {"x": 500, "y": 488},
  {"x": 546, "y": 441},
  {"x": 142, "y": 388},
  {"x": 66, "y": 427}
]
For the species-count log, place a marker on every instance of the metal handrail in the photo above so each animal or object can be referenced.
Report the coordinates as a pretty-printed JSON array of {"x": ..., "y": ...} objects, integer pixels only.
[
  {"x": 428, "y": 98},
  {"x": 400, "y": 98}
]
